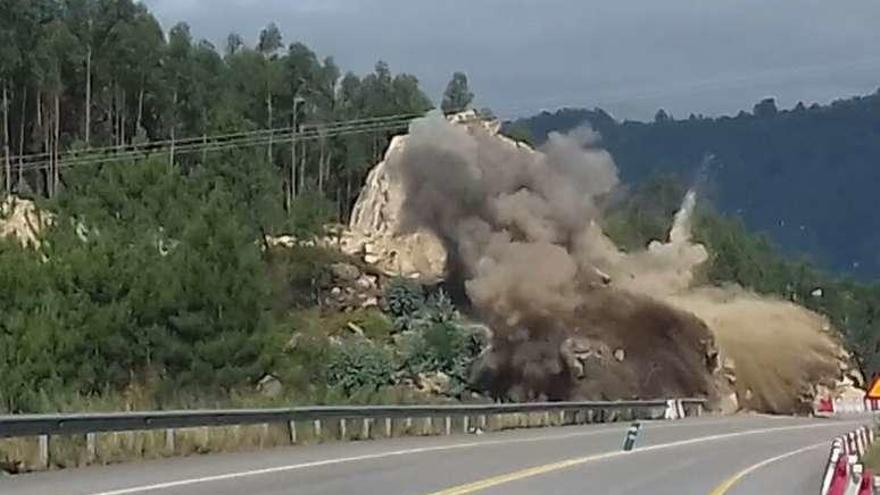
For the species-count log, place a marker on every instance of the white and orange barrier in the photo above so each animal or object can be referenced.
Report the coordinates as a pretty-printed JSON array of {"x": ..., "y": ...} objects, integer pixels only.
[
  {"x": 844, "y": 473},
  {"x": 826, "y": 406}
]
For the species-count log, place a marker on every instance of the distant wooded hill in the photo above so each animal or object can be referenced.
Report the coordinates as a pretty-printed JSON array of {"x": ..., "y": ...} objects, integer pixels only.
[{"x": 808, "y": 177}]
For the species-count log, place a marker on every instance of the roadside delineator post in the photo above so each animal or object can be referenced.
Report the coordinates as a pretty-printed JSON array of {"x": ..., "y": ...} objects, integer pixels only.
[
  {"x": 631, "y": 435},
  {"x": 44, "y": 452},
  {"x": 291, "y": 430},
  {"x": 316, "y": 426},
  {"x": 91, "y": 447},
  {"x": 831, "y": 467},
  {"x": 840, "y": 478},
  {"x": 365, "y": 429},
  {"x": 866, "y": 487},
  {"x": 855, "y": 479}
]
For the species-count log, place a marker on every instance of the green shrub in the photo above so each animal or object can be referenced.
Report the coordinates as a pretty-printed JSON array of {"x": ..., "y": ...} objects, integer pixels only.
[
  {"x": 448, "y": 347},
  {"x": 357, "y": 365},
  {"x": 404, "y": 298}
]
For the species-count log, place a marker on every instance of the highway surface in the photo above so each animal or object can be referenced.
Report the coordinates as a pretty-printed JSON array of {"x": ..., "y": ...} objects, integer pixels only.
[{"x": 700, "y": 456}]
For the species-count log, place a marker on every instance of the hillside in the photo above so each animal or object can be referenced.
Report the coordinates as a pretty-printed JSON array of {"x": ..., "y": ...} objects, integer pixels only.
[{"x": 807, "y": 176}]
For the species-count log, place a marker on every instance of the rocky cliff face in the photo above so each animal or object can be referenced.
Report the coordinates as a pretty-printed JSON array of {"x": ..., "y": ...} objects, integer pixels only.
[{"x": 377, "y": 235}]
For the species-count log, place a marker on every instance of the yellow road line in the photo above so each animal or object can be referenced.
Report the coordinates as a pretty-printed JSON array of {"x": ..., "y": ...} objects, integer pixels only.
[
  {"x": 568, "y": 463},
  {"x": 525, "y": 473},
  {"x": 725, "y": 486}
]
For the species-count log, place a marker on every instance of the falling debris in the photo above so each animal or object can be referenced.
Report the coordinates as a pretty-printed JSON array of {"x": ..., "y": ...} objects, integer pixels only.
[{"x": 518, "y": 231}]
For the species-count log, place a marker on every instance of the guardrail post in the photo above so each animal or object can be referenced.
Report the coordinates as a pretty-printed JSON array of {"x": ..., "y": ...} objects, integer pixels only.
[
  {"x": 388, "y": 427},
  {"x": 466, "y": 420},
  {"x": 169, "y": 440},
  {"x": 91, "y": 447},
  {"x": 429, "y": 425},
  {"x": 408, "y": 424},
  {"x": 291, "y": 428},
  {"x": 44, "y": 452},
  {"x": 317, "y": 427},
  {"x": 365, "y": 429},
  {"x": 343, "y": 428},
  {"x": 482, "y": 422},
  {"x": 562, "y": 417},
  {"x": 449, "y": 425}
]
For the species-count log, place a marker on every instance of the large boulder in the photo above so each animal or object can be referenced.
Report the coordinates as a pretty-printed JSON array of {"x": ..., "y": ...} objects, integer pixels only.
[{"x": 376, "y": 234}]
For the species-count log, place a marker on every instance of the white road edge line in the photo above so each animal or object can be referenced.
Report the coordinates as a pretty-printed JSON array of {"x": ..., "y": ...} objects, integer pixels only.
[
  {"x": 397, "y": 453},
  {"x": 729, "y": 483}
]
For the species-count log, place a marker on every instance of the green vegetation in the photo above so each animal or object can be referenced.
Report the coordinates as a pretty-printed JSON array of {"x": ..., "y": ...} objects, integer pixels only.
[
  {"x": 158, "y": 283},
  {"x": 457, "y": 96},
  {"x": 871, "y": 459},
  {"x": 100, "y": 74}
]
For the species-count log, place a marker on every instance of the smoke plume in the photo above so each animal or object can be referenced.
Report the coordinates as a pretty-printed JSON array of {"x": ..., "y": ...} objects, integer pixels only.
[
  {"x": 573, "y": 316},
  {"x": 522, "y": 231}
]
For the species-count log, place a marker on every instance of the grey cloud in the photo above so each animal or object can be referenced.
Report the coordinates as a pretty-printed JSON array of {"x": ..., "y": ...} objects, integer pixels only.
[{"x": 630, "y": 57}]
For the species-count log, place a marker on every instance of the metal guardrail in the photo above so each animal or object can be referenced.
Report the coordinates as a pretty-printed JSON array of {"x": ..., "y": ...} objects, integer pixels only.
[
  {"x": 44, "y": 426},
  {"x": 72, "y": 424}
]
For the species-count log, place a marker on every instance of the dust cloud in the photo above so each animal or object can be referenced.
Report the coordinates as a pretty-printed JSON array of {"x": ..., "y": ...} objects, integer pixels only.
[
  {"x": 574, "y": 317},
  {"x": 779, "y": 348}
]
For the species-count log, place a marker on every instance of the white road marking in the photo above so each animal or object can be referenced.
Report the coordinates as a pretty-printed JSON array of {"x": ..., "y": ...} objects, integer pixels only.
[
  {"x": 729, "y": 483},
  {"x": 440, "y": 448},
  {"x": 578, "y": 461}
]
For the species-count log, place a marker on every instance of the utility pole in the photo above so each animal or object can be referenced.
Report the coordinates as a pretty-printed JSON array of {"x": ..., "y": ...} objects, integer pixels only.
[{"x": 8, "y": 168}]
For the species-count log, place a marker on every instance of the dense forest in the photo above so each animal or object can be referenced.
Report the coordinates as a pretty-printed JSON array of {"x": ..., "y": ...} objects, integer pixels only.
[
  {"x": 162, "y": 168},
  {"x": 102, "y": 75},
  {"x": 807, "y": 176}
]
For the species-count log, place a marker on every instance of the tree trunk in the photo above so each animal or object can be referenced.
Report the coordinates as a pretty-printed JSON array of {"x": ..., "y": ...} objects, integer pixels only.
[
  {"x": 347, "y": 196},
  {"x": 173, "y": 128},
  {"x": 21, "y": 132},
  {"x": 57, "y": 176},
  {"x": 114, "y": 117},
  {"x": 302, "y": 170},
  {"x": 204, "y": 136},
  {"x": 7, "y": 179},
  {"x": 269, "y": 126},
  {"x": 47, "y": 148},
  {"x": 328, "y": 158},
  {"x": 122, "y": 118},
  {"x": 338, "y": 203},
  {"x": 88, "y": 94},
  {"x": 321, "y": 166},
  {"x": 140, "y": 114},
  {"x": 292, "y": 187}
]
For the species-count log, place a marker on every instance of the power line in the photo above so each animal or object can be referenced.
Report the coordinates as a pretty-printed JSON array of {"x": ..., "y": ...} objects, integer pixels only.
[
  {"x": 36, "y": 159},
  {"x": 252, "y": 139}
]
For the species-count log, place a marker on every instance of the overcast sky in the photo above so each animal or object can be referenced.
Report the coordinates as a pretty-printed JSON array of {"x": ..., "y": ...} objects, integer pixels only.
[{"x": 627, "y": 56}]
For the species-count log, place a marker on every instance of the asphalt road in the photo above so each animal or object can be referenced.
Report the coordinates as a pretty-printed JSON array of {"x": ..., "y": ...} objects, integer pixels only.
[{"x": 696, "y": 456}]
